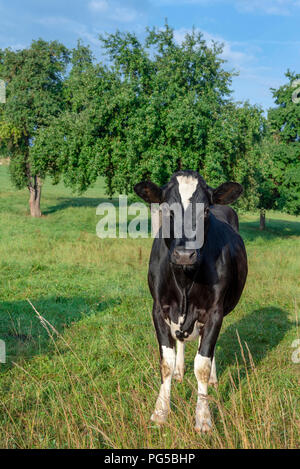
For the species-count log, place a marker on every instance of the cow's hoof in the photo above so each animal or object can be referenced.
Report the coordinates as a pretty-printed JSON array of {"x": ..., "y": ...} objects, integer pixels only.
[
  {"x": 159, "y": 417},
  {"x": 204, "y": 427},
  {"x": 178, "y": 376}
]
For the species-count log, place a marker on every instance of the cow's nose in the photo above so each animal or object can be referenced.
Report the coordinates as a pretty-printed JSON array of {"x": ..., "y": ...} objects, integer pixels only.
[{"x": 182, "y": 256}]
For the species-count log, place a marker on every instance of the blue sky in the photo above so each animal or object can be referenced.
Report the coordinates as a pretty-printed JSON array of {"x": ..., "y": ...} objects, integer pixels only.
[{"x": 261, "y": 37}]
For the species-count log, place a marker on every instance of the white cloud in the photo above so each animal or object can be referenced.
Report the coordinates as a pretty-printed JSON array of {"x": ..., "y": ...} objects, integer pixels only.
[
  {"x": 123, "y": 14},
  {"x": 98, "y": 5},
  {"x": 114, "y": 11},
  {"x": 13, "y": 46}
]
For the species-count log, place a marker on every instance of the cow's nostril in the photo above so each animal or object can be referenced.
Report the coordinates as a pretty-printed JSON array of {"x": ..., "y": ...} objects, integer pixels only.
[
  {"x": 192, "y": 254},
  {"x": 183, "y": 256},
  {"x": 178, "y": 334},
  {"x": 176, "y": 254}
]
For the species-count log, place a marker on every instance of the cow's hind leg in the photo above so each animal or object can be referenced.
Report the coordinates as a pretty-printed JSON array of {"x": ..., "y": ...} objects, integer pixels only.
[
  {"x": 179, "y": 366},
  {"x": 167, "y": 366}
]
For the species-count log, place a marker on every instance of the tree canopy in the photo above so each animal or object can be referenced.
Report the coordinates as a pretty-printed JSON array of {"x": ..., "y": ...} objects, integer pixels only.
[
  {"x": 280, "y": 152},
  {"x": 156, "y": 106},
  {"x": 145, "y": 115}
]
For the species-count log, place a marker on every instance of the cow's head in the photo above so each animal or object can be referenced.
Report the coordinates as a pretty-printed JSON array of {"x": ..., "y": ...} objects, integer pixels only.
[{"x": 186, "y": 189}]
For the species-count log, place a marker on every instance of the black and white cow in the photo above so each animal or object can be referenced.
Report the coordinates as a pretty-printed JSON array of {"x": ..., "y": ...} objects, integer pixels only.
[{"x": 194, "y": 289}]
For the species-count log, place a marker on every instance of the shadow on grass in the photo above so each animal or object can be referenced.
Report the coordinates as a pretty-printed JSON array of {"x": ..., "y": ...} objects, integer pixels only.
[
  {"x": 66, "y": 202},
  {"x": 262, "y": 330},
  {"x": 25, "y": 336},
  {"x": 275, "y": 228}
]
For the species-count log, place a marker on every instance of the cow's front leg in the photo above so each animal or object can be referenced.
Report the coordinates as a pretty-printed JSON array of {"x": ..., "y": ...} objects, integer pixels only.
[
  {"x": 213, "y": 380},
  {"x": 167, "y": 366},
  {"x": 203, "y": 370},
  {"x": 179, "y": 366}
]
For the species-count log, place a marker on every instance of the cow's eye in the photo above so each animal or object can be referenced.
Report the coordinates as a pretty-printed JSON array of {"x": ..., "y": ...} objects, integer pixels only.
[{"x": 206, "y": 212}]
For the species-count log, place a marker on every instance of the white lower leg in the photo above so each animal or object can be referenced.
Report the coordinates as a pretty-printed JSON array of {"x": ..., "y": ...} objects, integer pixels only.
[
  {"x": 202, "y": 369},
  {"x": 162, "y": 406},
  {"x": 179, "y": 367}
]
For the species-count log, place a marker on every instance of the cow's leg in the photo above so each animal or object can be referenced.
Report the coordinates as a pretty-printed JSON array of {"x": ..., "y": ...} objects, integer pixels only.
[
  {"x": 179, "y": 367},
  {"x": 213, "y": 380},
  {"x": 203, "y": 368},
  {"x": 167, "y": 366}
]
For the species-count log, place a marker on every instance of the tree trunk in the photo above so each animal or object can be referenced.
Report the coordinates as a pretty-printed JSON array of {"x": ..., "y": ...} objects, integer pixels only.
[
  {"x": 35, "y": 189},
  {"x": 262, "y": 219}
]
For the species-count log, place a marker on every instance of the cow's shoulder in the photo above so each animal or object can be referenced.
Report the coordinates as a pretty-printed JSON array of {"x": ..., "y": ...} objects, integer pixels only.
[
  {"x": 223, "y": 244},
  {"x": 226, "y": 214}
]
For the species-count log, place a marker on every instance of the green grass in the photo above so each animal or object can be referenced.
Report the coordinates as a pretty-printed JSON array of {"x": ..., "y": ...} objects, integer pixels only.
[{"x": 93, "y": 381}]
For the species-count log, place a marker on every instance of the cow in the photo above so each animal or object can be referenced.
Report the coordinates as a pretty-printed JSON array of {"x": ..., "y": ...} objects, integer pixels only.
[{"x": 193, "y": 289}]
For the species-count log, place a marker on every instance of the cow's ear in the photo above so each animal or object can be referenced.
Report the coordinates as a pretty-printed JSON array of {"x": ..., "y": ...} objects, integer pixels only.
[
  {"x": 227, "y": 193},
  {"x": 149, "y": 191}
]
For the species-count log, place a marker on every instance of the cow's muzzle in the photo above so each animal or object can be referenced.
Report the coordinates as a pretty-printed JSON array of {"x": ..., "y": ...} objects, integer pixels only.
[{"x": 182, "y": 256}]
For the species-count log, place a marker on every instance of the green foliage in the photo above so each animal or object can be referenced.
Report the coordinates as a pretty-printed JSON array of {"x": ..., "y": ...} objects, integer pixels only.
[
  {"x": 233, "y": 150},
  {"x": 284, "y": 120},
  {"x": 144, "y": 116},
  {"x": 76, "y": 140},
  {"x": 157, "y": 107},
  {"x": 280, "y": 153},
  {"x": 34, "y": 78},
  {"x": 279, "y": 180},
  {"x": 169, "y": 97}
]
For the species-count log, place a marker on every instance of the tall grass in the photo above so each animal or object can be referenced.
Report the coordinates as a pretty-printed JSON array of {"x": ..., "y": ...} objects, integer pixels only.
[{"x": 74, "y": 411}]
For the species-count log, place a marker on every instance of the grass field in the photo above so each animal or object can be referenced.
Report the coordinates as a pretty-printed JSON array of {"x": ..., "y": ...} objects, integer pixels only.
[{"x": 91, "y": 380}]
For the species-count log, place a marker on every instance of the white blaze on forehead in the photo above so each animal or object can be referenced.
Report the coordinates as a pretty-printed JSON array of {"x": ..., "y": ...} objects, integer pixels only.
[{"x": 187, "y": 186}]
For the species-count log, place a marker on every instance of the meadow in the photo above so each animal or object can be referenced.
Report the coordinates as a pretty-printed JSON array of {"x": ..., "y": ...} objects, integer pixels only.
[{"x": 82, "y": 366}]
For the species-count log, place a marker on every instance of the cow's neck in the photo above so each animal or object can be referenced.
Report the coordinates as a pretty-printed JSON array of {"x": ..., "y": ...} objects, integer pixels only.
[{"x": 184, "y": 277}]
